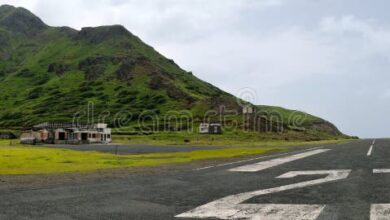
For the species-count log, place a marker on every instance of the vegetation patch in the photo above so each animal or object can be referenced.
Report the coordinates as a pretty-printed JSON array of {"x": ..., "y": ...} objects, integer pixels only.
[
  {"x": 52, "y": 73},
  {"x": 229, "y": 139},
  {"x": 17, "y": 159}
]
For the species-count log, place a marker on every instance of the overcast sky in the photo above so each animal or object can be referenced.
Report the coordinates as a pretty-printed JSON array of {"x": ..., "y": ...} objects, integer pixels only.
[{"x": 326, "y": 57}]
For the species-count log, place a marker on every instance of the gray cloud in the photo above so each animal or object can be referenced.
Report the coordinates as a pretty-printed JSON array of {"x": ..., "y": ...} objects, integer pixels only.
[{"x": 326, "y": 57}]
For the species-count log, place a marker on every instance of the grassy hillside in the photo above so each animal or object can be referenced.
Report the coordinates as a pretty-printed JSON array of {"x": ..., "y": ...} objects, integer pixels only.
[
  {"x": 52, "y": 73},
  {"x": 302, "y": 122}
]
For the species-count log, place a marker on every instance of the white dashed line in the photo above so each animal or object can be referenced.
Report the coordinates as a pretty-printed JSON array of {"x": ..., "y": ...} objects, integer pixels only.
[
  {"x": 370, "y": 150},
  {"x": 369, "y": 153},
  {"x": 276, "y": 162},
  {"x": 381, "y": 171},
  {"x": 248, "y": 160}
]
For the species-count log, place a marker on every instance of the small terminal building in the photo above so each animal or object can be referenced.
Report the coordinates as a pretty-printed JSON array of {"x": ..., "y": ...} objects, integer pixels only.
[
  {"x": 210, "y": 128},
  {"x": 67, "y": 133}
]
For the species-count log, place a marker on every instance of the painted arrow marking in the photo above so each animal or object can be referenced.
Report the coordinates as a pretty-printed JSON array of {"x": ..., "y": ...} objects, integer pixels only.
[
  {"x": 380, "y": 212},
  {"x": 232, "y": 207}
]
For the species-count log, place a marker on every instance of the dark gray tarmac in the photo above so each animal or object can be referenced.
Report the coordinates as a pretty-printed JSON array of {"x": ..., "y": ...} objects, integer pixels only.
[
  {"x": 164, "y": 195},
  {"x": 131, "y": 149}
]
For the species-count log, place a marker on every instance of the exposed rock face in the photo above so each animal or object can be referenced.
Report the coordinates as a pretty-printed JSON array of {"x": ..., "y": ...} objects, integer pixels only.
[
  {"x": 58, "y": 68},
  {"x": 98, "y": 35},
  {"x": 325, "y": 126}
]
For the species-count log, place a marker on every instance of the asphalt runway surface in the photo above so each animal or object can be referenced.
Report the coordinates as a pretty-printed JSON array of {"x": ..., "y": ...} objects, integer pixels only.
[
  {"x": 131, "y": 149},
  {"x": 344, "y": 181}
]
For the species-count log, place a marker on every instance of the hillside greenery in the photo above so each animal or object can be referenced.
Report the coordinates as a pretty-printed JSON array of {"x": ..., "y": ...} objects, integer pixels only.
[{"x": 52, "y": 73}]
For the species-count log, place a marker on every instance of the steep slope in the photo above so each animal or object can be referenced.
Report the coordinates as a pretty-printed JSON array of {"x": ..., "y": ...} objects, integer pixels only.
[
  {"x": 300, "y": 121},
  {"x": 51, "y": 73}
]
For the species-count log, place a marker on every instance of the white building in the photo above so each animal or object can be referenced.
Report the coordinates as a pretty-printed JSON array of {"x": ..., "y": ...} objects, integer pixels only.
[
  {"x": 213, "y": 128},
  {"x": 67, "y": 133}
]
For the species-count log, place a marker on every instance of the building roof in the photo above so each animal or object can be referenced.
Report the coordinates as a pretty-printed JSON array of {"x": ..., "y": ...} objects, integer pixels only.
[{"x": 56, "y": 125}]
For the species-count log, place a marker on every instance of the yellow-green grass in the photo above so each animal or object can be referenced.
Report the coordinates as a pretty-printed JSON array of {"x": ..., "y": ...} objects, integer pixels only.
[
  {"x": 233, "y": 139},
  {"x": 16, "y": 159}
]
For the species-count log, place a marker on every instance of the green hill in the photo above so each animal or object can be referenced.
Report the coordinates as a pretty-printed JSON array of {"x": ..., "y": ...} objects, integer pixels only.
[
  {"x": 301, "y": 121},
  {"x": 51, "y": 73}
]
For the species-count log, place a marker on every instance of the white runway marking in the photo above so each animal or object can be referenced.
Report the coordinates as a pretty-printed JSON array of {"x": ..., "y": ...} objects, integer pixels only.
[
  {"x": 276, "y": 162},
  {"x": 248, "y": 160},
  {"x": 380, "y": 212},
  {"x": 231, "y": 207},
  {"x": 370, "y": 150},
  {"x": 369, "y": 153},
  {"x": 381, "y": 171}
]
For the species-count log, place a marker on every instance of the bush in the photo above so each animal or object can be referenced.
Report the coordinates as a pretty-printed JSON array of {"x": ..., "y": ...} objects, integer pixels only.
[
  {"x": 40, "y": 80},
  {"x": 88, "y": 95},
  {"x": 25, "y": 73},
  {"x": 159, "y": 99},
  {"x": 11, "y": 115},
  {"x": 94, "y": 67},
  {"x": 118, "y": 88},
  {"x": 127, "y": 100},
  {"x": 35, "y": 93},
  {"x": 125, "y": 71},
  {"x": 57, "y": 68}
]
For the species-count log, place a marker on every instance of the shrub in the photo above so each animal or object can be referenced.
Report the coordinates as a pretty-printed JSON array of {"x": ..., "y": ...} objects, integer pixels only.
[
  {"x": 57, "y": 68},
  {"x": 35, "y": 93},
  {"x": 40, "y": 80},
  {"x": 25, "y": 73}
]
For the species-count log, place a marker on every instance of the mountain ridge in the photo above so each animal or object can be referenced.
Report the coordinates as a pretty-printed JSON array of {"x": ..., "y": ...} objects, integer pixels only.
[
  {"x": 21, "y": 21},
  {"x": 51, "y": 73}
]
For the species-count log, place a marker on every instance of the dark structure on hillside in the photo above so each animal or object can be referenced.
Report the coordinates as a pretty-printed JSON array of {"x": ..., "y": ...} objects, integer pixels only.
[{"x": 213, "y": 128}]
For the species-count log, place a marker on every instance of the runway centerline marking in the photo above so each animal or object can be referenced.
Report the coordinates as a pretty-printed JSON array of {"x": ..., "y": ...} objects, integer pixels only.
[
  {"x": 276, "y": 162},
  {"x": 252, "y": 159},
  {"x": 369, "y": 153},
  {"x": 370, "y": 150}
]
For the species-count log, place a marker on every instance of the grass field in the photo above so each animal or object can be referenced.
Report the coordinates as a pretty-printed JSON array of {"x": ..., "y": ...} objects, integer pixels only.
[
  {"x": 228, "y": 139},
  {"x": 16, "y": 159}
]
